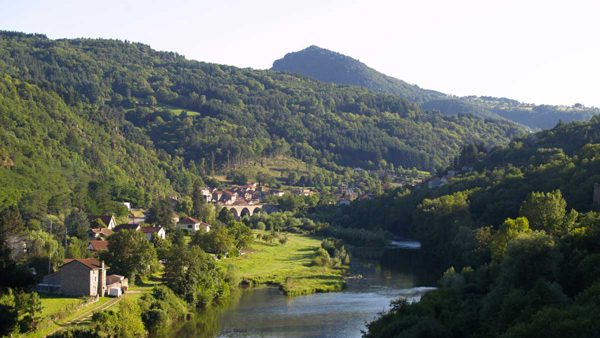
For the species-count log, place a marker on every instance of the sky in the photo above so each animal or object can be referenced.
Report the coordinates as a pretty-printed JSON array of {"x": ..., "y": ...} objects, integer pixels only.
[{"x": 543, "y": 52}]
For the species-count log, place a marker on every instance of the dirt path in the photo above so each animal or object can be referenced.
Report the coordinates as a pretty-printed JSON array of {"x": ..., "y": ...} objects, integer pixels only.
[{"x": 80, "y": 318}]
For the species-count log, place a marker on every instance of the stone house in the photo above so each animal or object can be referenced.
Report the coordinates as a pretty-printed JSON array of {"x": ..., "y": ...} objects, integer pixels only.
[{"x": 82, "y": 277}]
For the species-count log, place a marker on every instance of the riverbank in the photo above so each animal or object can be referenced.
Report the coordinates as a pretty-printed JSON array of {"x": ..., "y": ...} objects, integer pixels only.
[{"x": 288, "y": 266}]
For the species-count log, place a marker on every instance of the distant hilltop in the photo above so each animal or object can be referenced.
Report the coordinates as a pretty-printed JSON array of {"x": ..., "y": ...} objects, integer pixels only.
[{"x": 329, "y": 66}]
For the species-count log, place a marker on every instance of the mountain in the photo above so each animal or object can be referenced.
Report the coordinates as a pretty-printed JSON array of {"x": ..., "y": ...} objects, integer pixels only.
[{"x": 329, "y": 66}]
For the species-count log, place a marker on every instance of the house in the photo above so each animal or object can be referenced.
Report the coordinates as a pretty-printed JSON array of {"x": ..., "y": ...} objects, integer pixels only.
[
  {"x": 108, "y": 220},
  {"x": 228, "y": 197},
  {"x": 97, "y": 246},
  {"x": 81, "y": 277},
  {"x": 343, "y": 189},
  {"x": 150, "y": 231},
  {"x": 277, "y": 193},
  {"x": 127, "y": 204},
  {"x": 304, "y": 192},
  {"x": 99, "y": 233},
  {"x": 192, "y": 225},
  {"x": 116, "y": 281},
  {"x": 434, "y": 183},
  {"x": 206, "y": 192},
  {"x": 445, "y": 179},
  {"x": 175, "y": 219},
  {"x": 216, "y": 195},
  {"x": 344, "y": 201}
]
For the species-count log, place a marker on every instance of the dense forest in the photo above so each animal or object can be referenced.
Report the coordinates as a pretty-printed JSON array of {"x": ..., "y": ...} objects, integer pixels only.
[
  {"x": 103, "y": 110},
  {"x": 329, "y": 66},
  {"x": 518, "y": 235}
]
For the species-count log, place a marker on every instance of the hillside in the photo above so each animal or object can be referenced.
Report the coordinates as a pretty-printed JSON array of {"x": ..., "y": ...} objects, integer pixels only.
[
  {"x": 329, "y": 66},
  {"x": 518, "y": 237},
  {"x": 244, "y": 114}
]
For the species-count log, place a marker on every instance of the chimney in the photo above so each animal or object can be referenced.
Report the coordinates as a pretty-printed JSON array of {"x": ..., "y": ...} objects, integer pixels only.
[{"x": 102, "y": 280}]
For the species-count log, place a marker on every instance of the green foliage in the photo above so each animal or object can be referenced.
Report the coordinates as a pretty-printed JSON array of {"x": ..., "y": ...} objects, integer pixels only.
[
  {"x": 509, "y": 230},
  {"x": 161, "y": 213},
  {"x": 130, "y": 254},
  {"x": 544, "y": 211},
  {"x": 193, "y": 275}
]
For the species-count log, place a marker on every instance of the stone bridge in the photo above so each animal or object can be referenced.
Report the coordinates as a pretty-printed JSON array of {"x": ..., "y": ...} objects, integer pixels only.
[{"x": 241, "y": 210}]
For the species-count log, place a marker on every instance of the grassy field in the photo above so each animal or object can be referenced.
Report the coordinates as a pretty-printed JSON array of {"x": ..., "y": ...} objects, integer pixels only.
[
  {"x": 60, "y": 312},
  {"x": 178, "y": 111},
  {"x": 289, "y": 266}
]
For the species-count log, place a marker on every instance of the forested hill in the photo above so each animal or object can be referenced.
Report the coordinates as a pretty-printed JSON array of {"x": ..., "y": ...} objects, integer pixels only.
[
  {"x": 329, "y": 66},
  {"x": 237, "y": 114},
  {"x": 519, "y": 237}
]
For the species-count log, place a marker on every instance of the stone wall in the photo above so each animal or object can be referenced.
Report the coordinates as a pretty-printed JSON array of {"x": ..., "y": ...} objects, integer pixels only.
[{"x": 77, "y": 280}]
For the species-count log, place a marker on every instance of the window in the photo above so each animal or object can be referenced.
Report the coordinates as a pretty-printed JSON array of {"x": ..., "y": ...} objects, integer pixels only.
[{"x": 189, "y": 226}]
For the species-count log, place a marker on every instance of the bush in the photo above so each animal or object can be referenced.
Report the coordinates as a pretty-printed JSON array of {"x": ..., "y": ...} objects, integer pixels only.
[{"x": 261, "y": 226}]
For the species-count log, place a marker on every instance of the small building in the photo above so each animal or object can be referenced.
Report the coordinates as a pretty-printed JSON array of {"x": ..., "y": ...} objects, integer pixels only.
[
  {"x": 150, "y": 231},
  {"x": 192, "y": 225},
  {"x": 81, "y": 277},
  {"x": 452, "y": 173},
  {"x": 97, "y": 246},
  {"x": 434, "y": 183},
  {"x": 117, "y": 281},
  {"x": 127, "y": 204},
  {"x": 175, "y": 219},
  {"x": 108, "y": 220},
  {"x": 277, "y": 193}
]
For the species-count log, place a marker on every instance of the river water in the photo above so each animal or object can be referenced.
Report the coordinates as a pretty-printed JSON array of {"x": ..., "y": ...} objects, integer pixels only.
[{"x": 265, "y": 312}]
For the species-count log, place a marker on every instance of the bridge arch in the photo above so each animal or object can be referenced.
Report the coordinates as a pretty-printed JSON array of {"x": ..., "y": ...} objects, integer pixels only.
[{"x": 235, "y": 213}]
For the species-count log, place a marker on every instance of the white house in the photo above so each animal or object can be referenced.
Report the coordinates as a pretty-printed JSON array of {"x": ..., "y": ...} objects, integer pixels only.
[
  {"x": 149, "y": 231},
  {"x": 192, "y": 225},
  {"x": 108, "y": 220}
]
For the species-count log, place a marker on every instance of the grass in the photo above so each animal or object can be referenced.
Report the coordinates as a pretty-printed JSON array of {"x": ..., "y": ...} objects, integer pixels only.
[
  {"x": 289, "y": 266},
  {"x": 178, "y": 111},
  {"x": 59, "y": 310}
]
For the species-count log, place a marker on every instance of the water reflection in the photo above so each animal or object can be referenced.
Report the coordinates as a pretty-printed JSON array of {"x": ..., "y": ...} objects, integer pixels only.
[{"x": 265, "y": 312}]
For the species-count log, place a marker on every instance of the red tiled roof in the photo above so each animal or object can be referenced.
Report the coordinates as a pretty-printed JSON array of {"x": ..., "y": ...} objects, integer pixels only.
[
  {"x": 150, "y": 229},
  {"x": 189, "y": 220},
  {"x": 91, "y": 263},
  {"x": 99, "y": 245}
]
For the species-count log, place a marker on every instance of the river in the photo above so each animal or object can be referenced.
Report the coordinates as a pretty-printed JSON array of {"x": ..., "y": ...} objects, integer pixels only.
[{"x": 265, "y": 312}]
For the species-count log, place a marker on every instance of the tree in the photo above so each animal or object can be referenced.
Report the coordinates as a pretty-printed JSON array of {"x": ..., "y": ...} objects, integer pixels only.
[
  {"x": 78, "y": 248},
  {"x": 509, "y": 230},
  {"x": 78, "y": 225},
  {"x": 130, "y": 254},
  {"x": 386, "y": 182},
  {"x": 198, "y": 201},
  {"x": 225, "y": 216},
  {"x": 161, "y": 213},
  {"x": 218, "y": 240},
  {"x": 194, "y": 275},
  {"x": 11, "y": 222},
  {"x": 545, "y": 211}
]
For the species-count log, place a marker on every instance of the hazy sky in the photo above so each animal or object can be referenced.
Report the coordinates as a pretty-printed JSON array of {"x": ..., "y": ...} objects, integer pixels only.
[{"x": 534, "y": 51}]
